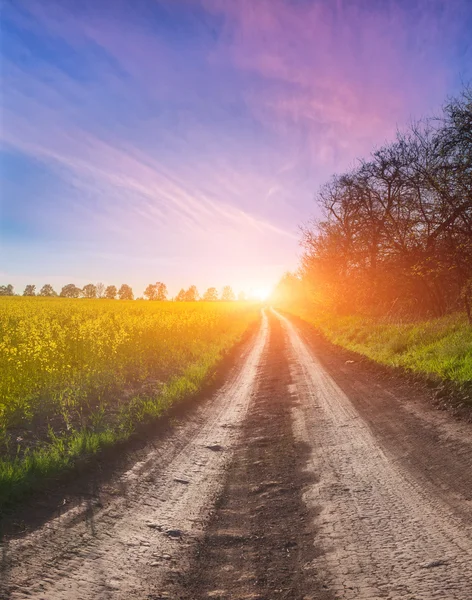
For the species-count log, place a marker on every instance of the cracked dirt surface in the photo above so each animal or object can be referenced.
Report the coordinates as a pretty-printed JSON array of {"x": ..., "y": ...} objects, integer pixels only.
[{"x": 303, "y": 477}]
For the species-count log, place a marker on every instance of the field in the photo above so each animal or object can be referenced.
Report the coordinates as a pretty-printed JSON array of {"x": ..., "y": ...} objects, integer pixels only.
[
  {"x": 440, "y": 348},
  {"x": 77, "y": 375}
]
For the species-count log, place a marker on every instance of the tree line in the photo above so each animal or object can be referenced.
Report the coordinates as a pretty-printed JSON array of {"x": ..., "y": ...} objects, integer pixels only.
[
  {"x": 395, "y": 235},
  {"x": 154, "y": 291}
]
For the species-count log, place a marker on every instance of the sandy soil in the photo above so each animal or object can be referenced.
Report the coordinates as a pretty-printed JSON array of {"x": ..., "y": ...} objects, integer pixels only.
[{"x": 306, "y": 476}]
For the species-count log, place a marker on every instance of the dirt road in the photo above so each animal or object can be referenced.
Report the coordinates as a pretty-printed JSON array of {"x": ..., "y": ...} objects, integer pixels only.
[{"x": 305, "y": 476}]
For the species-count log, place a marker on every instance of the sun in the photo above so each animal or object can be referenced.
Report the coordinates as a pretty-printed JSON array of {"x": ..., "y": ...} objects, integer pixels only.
[{"x": 261, "y": 293}]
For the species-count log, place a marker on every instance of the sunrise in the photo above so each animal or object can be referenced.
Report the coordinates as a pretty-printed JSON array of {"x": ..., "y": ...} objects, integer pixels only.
[{"x": 236, "y": 299}]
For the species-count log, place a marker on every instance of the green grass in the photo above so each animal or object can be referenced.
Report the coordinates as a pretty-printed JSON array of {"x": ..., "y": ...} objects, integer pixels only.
[
  {"x": 77, "y": 376},
  {"x": 438, "y": 347}
]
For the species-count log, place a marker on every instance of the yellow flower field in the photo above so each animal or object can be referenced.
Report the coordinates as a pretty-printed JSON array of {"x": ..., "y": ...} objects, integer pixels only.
[{"x": 79, "y": 374}]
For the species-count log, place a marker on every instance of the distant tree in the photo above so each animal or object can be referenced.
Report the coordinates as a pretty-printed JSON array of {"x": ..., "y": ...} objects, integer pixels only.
[
  {"x": 6, "y": 290},
  {"x": 151, "y": 291},
  {"x": 47, "y": 290},
  {"x": 111, "y": 292},
  {"x": 30, "y": 290},
  {"x": 156, "y": 291},
  {"x": 191, "y": 295},
  {"x": 89, "y": 291},
  {"x": 211, "y": 295},
  {"x": 100, "y": 289},
  {"x": 180, "y": 296},
  {"x": 242, "y": 297},
  {"x": 227, "y": 294},
  {"x": 125, "y": 292},
  {"x": 70, "y": 291},
  {"x": 161, "y": 291}
]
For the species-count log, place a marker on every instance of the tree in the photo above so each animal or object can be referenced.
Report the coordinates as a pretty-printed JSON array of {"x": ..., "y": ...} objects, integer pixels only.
[
  {"x": 70, "y": 291},
  {"x": 156, "y": 291},
  {"x": 30, "y": 290},
  {"x": 6, "y": 290},
  {"x": 100, "y": 289},
  {"x": 211, "y": 295},
  {"x": 180, "y": 296},
  {"x": 242, "y": 297},
  {"x": 395, "y": 234},
  {"x": 111, "y": 292},
  {"x": 227, "y": 294},
  {"x": 191, "y": 295},
  {"x": 89, "y": 291},
  {"x": 151, "y": 291},
  {"x": 125, "y": 292},
  {"x": 161, "y": 291},
  {"x": 47, "y": 290}
]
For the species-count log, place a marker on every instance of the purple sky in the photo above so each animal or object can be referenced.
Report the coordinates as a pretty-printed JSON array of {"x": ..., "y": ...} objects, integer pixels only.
[{"x": 184, "y": 140}]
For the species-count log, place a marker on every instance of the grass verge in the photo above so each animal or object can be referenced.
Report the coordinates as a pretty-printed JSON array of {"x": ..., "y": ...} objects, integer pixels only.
[{"x": 439, "y": 348}]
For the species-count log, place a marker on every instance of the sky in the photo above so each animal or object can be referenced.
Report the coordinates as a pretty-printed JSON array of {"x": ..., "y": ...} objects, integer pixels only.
[{"x": 184, "y": 141}]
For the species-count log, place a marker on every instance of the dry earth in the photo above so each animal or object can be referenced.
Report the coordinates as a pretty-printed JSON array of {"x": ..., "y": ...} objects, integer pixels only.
[{"x": 305, "y": 476}]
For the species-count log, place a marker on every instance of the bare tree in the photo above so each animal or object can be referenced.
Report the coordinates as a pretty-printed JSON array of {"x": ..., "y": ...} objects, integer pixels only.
[{"x": 100, "y": 287}]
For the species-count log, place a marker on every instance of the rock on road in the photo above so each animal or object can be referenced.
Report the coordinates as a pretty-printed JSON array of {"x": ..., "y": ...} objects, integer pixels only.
[{"x": 300, "y": 478}]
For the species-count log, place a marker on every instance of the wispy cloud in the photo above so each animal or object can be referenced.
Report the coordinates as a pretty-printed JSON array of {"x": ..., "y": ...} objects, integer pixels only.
[{"x": 207, "y": 125}]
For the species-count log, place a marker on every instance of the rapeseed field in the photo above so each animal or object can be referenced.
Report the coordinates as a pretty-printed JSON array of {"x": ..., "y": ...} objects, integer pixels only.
[{"x": 77, "y": 375}]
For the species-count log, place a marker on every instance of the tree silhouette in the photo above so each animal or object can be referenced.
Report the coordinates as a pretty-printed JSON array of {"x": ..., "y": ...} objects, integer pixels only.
[
  {"x": 125, "y": 292},
  {"x": 89, "y": 291},
  {"x": 395, "y": 234},
  {"x": 6, "y": 290},
  {"x": 30, "y": 290},
  {"x": 161, "y": 291},
  {"x": 191, "y": 295},
  {"x": 156, "y": 291},
  {"x": 47, "y": 290},
  {"x": 70, "y": 291},
  {"x": 111, "y": 292},
  {"x": 227, "y": 294},
  {"x": 211, "y": 295},
  {"x": 151, "y": 291}
]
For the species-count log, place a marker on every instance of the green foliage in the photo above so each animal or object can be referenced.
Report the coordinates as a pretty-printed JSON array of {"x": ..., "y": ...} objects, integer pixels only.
[{"x": 76, "y": 376}]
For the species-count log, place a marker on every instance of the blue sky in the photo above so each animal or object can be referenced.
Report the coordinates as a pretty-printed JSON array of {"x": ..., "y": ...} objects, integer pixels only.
[{"x": 184, "y": 140}]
